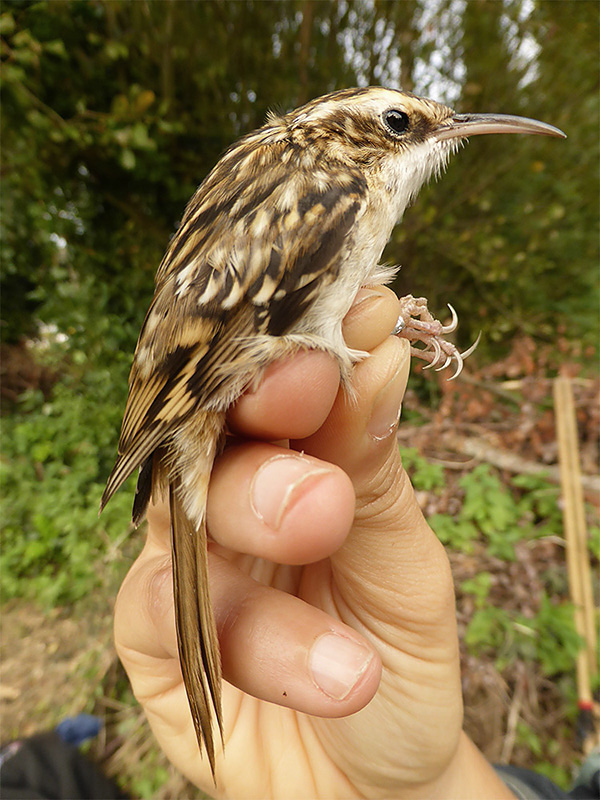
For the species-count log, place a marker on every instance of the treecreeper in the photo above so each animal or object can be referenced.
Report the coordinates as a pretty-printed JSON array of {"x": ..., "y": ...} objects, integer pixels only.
[{"x": 272, "y": 249}]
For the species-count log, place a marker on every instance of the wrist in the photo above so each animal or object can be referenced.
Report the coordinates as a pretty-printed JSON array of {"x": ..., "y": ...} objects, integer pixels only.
[{"x": 468, "y": 776}]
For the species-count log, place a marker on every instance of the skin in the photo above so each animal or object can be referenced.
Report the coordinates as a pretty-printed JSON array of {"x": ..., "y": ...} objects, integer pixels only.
[{"x": 333, "y": 598}]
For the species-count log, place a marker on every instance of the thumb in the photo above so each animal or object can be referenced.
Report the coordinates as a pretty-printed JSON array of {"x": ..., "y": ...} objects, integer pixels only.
[
  {"x": 390, "y": 580},
  {"x": 392, "y": 565}
]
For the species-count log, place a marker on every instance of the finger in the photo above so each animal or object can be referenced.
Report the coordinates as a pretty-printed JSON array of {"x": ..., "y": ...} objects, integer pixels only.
[
  {"x": 273, "y": 645},
  {"x": 371, "y": 319},
  {"x": 392, "y": 561},
  {"x": 270, "y": 502},
  {"x": 295, "y": 394},
  {"x": 278, "y": 505},
  {"x": 392, "y": 577},
  {"x": 293, "y": 398},
  {"x": 158, "y": 540},
  {"x": 359, "y": 434}
]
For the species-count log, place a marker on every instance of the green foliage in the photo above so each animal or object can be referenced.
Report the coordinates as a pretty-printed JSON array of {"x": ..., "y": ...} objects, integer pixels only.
[
  {"x": 559, "y": 775},
  {"x": 148, "y": 785},
  {"x": 489, "y": 506},
  {"x": 539, "y": 504},
  {"x": 527, "y": 736},
  {"x": 423, "y": 474},
  {"x": 114, "y": 111},
  {"x": 478, "y": 586},
  {"x": 55, "y": 456},
  {"x": 594, "y": 541},
  {"x": 549, "y": 637},
  {"x": 545, "y": 755},
  {"x": 458, "y": 533},
  {"x": 491, "y": 511}
]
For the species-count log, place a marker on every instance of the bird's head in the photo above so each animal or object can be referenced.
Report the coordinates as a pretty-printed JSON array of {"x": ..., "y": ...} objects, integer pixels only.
[{"x": 396, "y": 138}]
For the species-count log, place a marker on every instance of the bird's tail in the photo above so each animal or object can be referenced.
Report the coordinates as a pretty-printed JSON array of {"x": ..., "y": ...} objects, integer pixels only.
[{"x": 196, "y": 631}]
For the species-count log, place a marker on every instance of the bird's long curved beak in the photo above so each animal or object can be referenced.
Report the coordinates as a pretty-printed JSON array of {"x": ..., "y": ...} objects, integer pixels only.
[{"x": 461, "y": 126}]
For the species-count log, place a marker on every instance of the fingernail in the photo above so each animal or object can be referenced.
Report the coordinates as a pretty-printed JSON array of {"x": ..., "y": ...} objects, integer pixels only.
[
  {"x": 278, "y": 484},
  {"x": 337, "y": 663},
  {"x": 387, "y": 406}
]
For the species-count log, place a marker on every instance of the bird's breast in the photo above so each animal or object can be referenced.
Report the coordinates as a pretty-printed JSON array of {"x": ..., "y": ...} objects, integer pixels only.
[{"x": 359, "y": 267}]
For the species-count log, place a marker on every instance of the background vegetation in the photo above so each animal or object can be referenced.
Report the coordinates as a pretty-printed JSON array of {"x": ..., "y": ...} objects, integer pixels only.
[{"x": 113, "y": 112}]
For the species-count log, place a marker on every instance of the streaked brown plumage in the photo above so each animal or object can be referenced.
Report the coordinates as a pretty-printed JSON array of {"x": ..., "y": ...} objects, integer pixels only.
[{"x": 271, "y": 251}]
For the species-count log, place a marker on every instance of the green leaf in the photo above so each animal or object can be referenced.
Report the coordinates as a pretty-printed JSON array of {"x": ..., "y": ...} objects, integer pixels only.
[
  {"x": 479, "y": 586},
  {"x": 424, "y": 475},
  {"x": 456, "y": 533},
  {"x": 7, "y": 24},
  {"x": 127, "y": 158},
  {"x": 56, "y": 48}
]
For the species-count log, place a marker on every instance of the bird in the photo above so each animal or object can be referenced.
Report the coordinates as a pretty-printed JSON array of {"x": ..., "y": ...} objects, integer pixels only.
[{"x": 271, "y": 251}]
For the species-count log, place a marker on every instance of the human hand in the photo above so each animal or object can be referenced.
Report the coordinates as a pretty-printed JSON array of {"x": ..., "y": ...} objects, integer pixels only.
[{"x": 333, "y": 598}]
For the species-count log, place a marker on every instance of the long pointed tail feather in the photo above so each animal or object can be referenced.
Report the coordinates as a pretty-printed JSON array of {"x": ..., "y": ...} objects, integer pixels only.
[{"x": 196, "y": 631}]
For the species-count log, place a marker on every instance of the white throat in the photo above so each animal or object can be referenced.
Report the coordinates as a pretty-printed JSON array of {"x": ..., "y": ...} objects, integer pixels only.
[{"x": 406, "y": 173}]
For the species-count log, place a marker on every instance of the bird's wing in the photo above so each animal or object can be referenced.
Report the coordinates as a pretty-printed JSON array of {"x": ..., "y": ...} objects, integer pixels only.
[{"x": 255, "y": 245}]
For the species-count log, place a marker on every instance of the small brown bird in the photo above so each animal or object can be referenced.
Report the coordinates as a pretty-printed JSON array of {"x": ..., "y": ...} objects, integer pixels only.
[{"x": 272, "y": 249}]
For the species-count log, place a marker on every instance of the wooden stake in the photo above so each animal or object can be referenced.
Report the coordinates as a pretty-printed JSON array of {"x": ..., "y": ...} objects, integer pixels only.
[{"x": 578, "y": 563}]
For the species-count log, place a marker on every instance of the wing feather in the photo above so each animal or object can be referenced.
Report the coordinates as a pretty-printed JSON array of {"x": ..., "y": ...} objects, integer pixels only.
[{"x": 254, "y": 247}]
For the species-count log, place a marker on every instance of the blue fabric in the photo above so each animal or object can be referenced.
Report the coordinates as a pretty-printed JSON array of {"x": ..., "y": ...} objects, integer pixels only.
[{"x": 76, "y": 730}]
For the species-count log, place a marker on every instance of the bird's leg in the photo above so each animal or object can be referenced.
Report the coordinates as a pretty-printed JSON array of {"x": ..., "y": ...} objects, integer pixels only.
[{"x": 417, "y": 324}]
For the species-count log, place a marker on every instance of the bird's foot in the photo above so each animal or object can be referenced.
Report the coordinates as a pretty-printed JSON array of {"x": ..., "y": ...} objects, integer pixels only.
[{"x": 417, "y": 324}]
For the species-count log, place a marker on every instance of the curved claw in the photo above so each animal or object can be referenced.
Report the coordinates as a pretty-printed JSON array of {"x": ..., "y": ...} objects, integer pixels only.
[
  {"x": 460, "y": 357},
  {"x": 452, "y": 326},
  {"x": 439, "y": 353},
  {"x": 473, "y": 347},
  {"x": 459, "y": 367},
  {"x": 445, "y": 364},
  {"x": 437, "y": 356}
]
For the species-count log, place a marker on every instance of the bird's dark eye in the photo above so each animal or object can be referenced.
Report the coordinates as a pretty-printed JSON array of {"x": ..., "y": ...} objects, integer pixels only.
[{"x": 396, "y": 121}]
